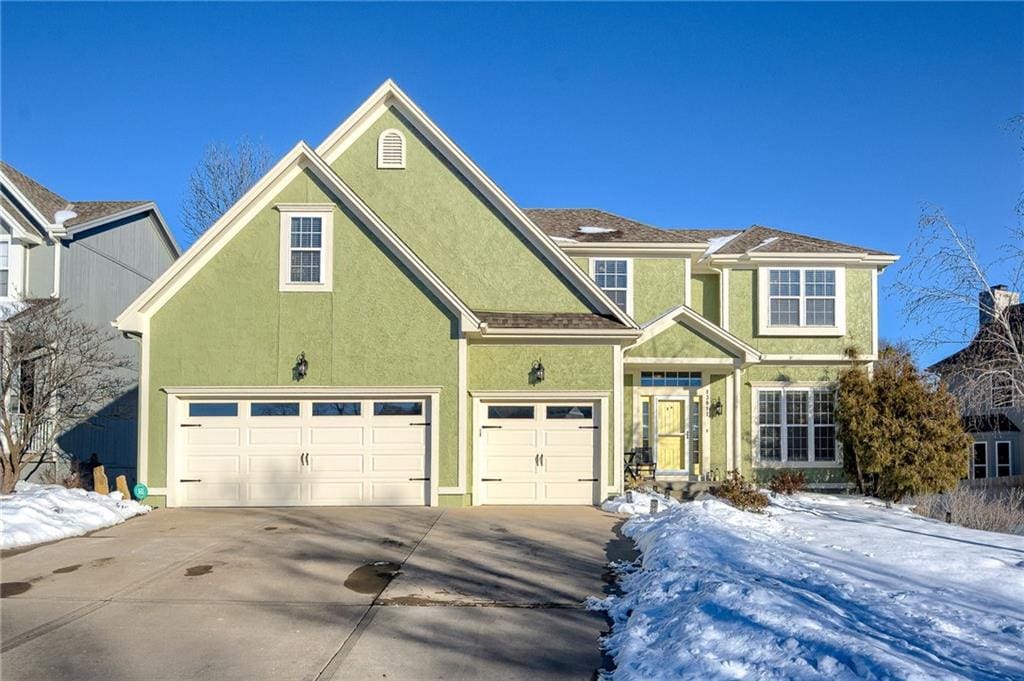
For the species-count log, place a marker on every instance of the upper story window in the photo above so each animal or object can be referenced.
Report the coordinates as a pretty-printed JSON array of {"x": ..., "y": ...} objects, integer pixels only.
[
  {"x": 306, "y": 237},
  {"x": 391, "y": 149},
  {"x": 801, "y": 301},
  {"x": 614, "y": 278}
]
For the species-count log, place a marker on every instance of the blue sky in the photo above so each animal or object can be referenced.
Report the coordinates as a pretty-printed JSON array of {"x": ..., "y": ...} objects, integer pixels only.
[{"x": 839, "y": 120}]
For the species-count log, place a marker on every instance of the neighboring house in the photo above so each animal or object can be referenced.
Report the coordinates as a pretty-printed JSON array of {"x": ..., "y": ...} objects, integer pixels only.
[
  {"x": 376, "y": 322},
  {"x": 95, "y": 256},
  {"x": 988, "y": 379}
]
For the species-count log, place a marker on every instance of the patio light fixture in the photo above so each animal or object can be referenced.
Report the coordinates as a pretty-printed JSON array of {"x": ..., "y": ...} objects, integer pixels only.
[
  {"x": 537, "y": 371},
  {"x": 301, "y": 366}
]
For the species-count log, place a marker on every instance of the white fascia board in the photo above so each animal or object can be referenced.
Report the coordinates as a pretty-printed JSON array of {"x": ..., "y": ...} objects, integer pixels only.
[
  {"x": 30, "y": 208},
  {"x": 149, "y": 207},
  {"x": 257, "y": 198},
  {"x": 18, "y": 232},
  {"x": 804, "y": 258},
  {"x": 243, "y": 391},
  {"x": 389, "y": 94}
]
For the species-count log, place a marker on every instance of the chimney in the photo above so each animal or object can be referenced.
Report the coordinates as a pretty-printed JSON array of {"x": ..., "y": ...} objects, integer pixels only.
[{"x": 995, "y": 301}]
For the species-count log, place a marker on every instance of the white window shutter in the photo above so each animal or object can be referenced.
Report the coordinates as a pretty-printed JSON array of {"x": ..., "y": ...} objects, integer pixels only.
[{"x": 391, "y": 149}]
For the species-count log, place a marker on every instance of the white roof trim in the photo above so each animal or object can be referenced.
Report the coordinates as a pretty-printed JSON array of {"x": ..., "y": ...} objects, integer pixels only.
[
  {"x": 147, "y": 207},
  {"x": 30, "y": 208},
  {"x": 389, "y": 94},
  {"x": 135, "y": 316},
  {"x": 18, "y": 231},
  {"x": 691, "y": 318}
]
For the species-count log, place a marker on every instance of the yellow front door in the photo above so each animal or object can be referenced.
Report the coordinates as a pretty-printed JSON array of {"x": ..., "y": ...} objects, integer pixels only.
[{"x": 671, "y": 435}]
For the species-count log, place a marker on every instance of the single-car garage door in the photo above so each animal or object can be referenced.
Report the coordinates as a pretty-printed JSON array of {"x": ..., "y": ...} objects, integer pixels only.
[
  {"x": 291, "y": 452},
  {"x": 539, "y": 453}
]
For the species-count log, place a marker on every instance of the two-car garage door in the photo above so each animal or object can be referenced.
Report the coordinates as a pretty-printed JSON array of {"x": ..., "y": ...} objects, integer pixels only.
[{"x": 292, "y": 452}]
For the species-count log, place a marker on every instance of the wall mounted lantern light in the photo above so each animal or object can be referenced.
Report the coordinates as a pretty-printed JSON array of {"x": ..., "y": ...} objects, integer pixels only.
[
  {"x": 301, "y": 366},
  {"x": 716, "y": 407},
  {"x": 537, "y": 372}
]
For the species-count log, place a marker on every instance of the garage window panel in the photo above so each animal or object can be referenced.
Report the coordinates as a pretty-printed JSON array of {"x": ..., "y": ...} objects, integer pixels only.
[
  {"x": 397, "y": 408},
  {"x": 337, "y": 409},
  {"x": 570, "y": 412},
  {"x": 203, "y": 409},
  {"x": 510, "y": 411},
  {"x": 274, "y": 409}
]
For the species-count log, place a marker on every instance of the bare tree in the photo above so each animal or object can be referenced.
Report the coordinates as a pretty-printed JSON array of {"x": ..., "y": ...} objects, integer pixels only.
[
  {"x": 56, "y": 371},
  {"x": 949, "y": 291},
  {"x": 220, "y": 178}
]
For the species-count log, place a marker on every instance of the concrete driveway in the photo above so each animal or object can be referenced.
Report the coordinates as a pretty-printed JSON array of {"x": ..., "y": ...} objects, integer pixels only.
[{"x": 485, "y": 593}]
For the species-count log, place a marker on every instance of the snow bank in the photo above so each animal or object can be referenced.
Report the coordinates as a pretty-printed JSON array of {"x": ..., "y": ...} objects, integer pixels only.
[
  {"x": 640, "y": 504},
  {"x": 818, "y": 588},
  {"x": 42, "y": 513}
]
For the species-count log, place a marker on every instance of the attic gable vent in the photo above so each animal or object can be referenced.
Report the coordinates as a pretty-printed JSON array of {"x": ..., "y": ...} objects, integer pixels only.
[{"x": 391, "y": 149}]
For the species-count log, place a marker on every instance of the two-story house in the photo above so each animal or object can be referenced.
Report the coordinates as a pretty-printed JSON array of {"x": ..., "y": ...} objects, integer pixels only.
[
  {"x": 376, "y": 322},
  {"x": 96, "y": 257},
  {"x": 987, "y": 376}
]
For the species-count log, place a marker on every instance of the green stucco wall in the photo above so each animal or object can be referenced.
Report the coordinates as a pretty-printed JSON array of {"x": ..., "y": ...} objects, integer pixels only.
[
  {"x": 743, "y": 318},
  {"x": 464, "y": 240},
  {"x": 659, "y": 284},
  {"x": 704, "y": 296},
  {"x": 229, "y": 325},
  {"x": 679, "y": 341},
  {"x": 627, "y": 412}
]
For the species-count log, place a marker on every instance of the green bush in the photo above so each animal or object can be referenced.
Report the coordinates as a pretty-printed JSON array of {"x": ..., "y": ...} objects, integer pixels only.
[
  {"x": 741, "y": 493},
  {"x": 788, "y": 482},
  {"x": 901, "y": 433}
]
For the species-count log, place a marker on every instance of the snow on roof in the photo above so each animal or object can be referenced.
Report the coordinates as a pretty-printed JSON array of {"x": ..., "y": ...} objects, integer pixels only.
[
  {"x": 587, "y": 229},
  {"x": 716, "y": 242}
]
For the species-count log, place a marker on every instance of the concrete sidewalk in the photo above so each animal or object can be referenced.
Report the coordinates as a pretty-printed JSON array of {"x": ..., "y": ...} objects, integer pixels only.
[{"x": 248, "y": 594}]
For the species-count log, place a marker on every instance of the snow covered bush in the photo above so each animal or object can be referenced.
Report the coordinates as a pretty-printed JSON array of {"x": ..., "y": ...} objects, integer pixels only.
[
  {"x": 788, "y": 482},
  {"x": 901, "y": 432},
  {"x": 992, "y": 509},
  {"x": 741, "y": 493}
]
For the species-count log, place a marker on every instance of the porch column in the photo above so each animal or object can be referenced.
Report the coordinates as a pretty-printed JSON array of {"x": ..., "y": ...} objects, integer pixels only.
[{"x": 737, "y": 423}]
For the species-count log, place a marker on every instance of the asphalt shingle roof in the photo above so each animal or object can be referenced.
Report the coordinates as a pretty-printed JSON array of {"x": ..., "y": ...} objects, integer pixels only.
[
  {"x": 49, "y": 202},
  {"x": 544, "y": 320},
  {"x": 604, "y": 227}
]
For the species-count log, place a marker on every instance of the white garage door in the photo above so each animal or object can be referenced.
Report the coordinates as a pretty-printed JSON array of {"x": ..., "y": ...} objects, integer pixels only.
[
  {"x": 317, "y": 452},
  {"x": 543, "y": 453}
]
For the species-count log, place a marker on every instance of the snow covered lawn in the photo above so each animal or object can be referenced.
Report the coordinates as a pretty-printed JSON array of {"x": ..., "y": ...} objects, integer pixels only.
[
  {"x": 821, "y": 587},
  {"x": 42, "y": 513}
]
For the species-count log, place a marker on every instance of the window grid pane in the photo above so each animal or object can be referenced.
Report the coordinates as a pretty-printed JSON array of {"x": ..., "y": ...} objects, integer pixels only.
[
  {"x": 769, "y": 419},
  {"x": 612, "y": 277},
  {"x": 4, "y": 266},
  {"x": 980, "y": 462},
  {"x": 1002, "y": 459},
  {"x": 645, "y": 420},
  {"x": 685, "y": 379},
  {"x": 824, "y": 425},
  {"x": 820, "y": 312},
  {"x": 797, "y": 435},
  {"x": 305, "y": 266}
]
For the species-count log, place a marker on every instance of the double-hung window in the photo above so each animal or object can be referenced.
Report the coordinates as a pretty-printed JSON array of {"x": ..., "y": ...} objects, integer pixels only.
[
  {"x": 306, "y": 249},
  {"x": 613, "y": 277},
  {"x": 5, "y": 268},
  {"x": 1003, "y": 458},
  {"x": 796, "y": 425},
  {"x": 979, "y": 460},
  {"x": 801, "y": 301}
]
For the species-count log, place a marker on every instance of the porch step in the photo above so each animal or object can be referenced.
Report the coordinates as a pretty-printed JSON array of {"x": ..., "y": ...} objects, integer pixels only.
[{"x": 683, "y": 490}]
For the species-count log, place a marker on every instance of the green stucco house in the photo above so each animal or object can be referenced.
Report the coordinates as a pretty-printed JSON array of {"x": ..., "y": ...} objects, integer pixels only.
[{"x": 375, "y": 322}]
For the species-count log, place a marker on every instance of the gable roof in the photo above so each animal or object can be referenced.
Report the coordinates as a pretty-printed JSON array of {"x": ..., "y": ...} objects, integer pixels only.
[
  {"x": 300, "y": 158},
  {"x": 389, "y": 95},
  {"x": 591, "y": 225},
  {"x": 690, "y": 318},
  {"x": 43, "y": 204},
  {"x": 552, "y": 321}
]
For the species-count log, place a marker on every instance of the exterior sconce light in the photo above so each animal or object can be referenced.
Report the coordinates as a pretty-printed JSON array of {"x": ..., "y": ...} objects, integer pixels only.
[
  {"x": 537, "y": 372},
  {"x": 716, "y": 407},
  {"x": 301, "y": 366}
]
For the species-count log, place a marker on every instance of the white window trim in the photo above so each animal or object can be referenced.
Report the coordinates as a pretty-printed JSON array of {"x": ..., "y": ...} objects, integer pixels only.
[
  {"x": 629, "y": 278},
  {"x": 381, "y": 163},
  {"x": 15, "y": 268},
  {"x": 326, "y": 215},
  {"x": 1009, "y": 456},
  {"x": 764, "y": 328},
  {"x": 984, "y": 446},
  {"x": 755, "y": 416}
]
